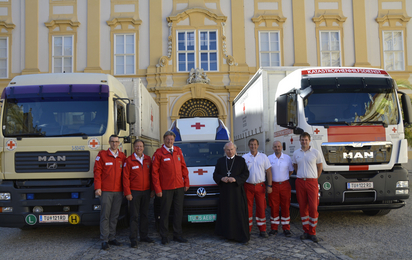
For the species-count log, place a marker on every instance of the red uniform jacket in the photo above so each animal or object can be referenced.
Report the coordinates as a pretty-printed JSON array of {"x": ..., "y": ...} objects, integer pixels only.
[
  {"x": 135, "y": 175},
  {"x": 108, "y": 171},
  {"x": 169, "y": 172}
]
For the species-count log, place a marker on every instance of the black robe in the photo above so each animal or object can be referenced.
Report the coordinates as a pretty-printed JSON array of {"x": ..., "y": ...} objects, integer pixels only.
[{"x": 232, "y": 215}]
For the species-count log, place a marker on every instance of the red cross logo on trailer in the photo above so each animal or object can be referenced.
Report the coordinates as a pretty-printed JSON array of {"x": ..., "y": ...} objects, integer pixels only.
[
  {"x": 291, "y": 140},
  {"x": 11, "y": 144},
  {"x": 94, "y": 143},
  {"x": 200, "y": 172},
  {"x": 316, "y": 131},
  {"x": 198, "y": 126},
  {"x": 394, "y": 130}
]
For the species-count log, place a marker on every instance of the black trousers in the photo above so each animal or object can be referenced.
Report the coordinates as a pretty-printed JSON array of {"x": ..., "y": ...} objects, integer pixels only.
[
  {"x": 171, "y": 197},
  {"x": 139, "y": 205}
]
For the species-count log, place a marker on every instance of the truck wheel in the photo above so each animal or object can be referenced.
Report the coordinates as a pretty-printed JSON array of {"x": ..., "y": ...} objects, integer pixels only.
[
  {"x": 378, "y": 212},
  {"x": 294, "y": 213}
]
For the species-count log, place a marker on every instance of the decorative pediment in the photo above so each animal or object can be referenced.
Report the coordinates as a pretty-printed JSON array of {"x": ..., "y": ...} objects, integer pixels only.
[
  {"x": 269, "y": 20},
  {"x": 123, "y": 23},
  {"x": 62, "y": 25},
  {"x": 329, "y": 20},
  {"x": 197, "y": 17}
]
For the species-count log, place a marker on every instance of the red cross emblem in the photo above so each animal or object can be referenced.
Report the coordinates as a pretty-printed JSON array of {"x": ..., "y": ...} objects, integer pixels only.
[
  {"x": 291, "y": 140},
  {"x": 93, "y": 143},
  {"x": 394, "y": 129},
  {"x": 11, "y": 145},
  {"x": 244, "y": 108},
  {"x": 198, "y": 126},
  {"x": 200, "y": 172},
  {"x": 317, "y": 131}
]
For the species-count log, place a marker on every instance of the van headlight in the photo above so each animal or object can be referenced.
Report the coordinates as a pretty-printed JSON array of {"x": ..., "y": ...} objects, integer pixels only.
[{"x": 5, "y": 196}]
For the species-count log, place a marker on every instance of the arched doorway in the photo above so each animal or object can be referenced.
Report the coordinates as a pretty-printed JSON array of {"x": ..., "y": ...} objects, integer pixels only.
[{"x": 198, "y": 107}]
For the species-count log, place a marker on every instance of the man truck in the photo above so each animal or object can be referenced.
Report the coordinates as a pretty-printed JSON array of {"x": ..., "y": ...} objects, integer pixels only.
[
  {"x": 355, "y": 119},
  {"x": 52, "y": 127}
]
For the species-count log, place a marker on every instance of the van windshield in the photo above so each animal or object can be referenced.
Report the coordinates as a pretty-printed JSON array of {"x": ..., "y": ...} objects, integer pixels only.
[{"x": 201, "y": 154}]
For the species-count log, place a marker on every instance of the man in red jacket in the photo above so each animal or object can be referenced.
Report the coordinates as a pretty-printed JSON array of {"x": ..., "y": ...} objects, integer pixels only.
[
  {"x": 136, "y": 188},
  {"x": 108, "y": 185},
  {"x": 170, "y": 180}
]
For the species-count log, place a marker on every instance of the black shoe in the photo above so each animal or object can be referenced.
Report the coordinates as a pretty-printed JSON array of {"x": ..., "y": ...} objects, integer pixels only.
[
  {"x": 105, "y": 246},
  {"x": 147, "y": 240},
  {"x": 273, "y": 232},
  {"x": 287, "y": 233},
  {"x": 165, "y": 240},
  {"x": 305, "y": 236},
  {"x": 314, "y": 238},
  {"x": 114, "y": 242},
  {"x": 133, "y": 244},
  {"x": 263, "y": 234},
  {"x": 180, "y": 239}
]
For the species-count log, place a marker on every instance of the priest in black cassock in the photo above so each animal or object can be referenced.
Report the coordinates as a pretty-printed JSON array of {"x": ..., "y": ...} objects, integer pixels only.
[{"x": 230, "y": 174}]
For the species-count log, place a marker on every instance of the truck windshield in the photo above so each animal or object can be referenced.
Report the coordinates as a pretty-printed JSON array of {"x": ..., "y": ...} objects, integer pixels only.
[
  {"x": 201, "y": 154},
  {"x": 352, "y": 106},
  {"x": 55, "y": 116}
]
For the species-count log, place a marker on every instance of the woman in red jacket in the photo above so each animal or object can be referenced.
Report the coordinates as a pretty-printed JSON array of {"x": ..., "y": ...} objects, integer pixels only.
[{"x": 137, "y": 189}]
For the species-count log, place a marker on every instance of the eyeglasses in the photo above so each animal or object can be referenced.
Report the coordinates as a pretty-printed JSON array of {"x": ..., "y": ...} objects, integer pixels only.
[{"x": 114, "y": 141}]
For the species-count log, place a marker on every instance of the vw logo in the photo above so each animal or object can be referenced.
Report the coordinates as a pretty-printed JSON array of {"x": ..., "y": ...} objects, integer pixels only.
[{"x": 201, "y": 192}]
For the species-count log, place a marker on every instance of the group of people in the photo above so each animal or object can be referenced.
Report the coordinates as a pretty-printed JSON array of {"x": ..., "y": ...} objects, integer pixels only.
[
  {"x": 139, "y": 178},
  {"x": 243, "y": 181}
]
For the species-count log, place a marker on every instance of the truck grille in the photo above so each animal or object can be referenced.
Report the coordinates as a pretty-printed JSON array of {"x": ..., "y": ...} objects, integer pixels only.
[
  {"x": 210, "y": 191},
  {"x": 70, "y": 161},
  {"x": 357, "y": 153}
]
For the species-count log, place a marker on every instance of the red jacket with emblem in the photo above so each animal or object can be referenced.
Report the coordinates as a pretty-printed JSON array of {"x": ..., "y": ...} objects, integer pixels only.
[
  {"x": 169, "y": 171},
  {"x": 135, "y": 175},
  {"x": 108, "y": 171}
]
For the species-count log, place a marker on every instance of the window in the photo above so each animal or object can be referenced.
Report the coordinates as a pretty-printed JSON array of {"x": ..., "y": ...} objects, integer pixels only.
[
  {"x": 330, "y": 49},
  {"x": 269, "y": 49},
  {"x": 207, "y": 49},
  {"x": 4, "y": 57},
  {"x": 124, "y": 55},
  {"x": 393, "y": 50},
  {"x": 62, "y": 54}
]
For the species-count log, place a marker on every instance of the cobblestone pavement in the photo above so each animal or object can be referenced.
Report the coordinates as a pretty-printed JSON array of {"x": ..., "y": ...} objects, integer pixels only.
[{"x": 203, "y": 244}]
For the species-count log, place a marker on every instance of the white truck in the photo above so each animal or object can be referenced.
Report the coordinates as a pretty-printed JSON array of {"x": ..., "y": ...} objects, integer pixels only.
[
  {"x": 355, "y": 120},
  {"x": 202, "y": 141},
  {"x": 52, "y": 127}
]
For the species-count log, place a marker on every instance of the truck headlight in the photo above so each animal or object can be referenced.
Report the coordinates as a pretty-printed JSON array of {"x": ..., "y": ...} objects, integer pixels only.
[
  {"x": 5, "y": 196},
  {"x": 402, "y": 191},
  {"x": 402, "y": 184},
  {"x": 6, "y": 209},
  {"x": 96, "y": 207}
]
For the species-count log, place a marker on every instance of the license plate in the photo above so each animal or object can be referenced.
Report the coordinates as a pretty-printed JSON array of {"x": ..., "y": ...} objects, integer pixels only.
[
  {"x": 202, "y": 218},
  {"x": 360, "y": 185},
  {"x": 53, "y": 218}
]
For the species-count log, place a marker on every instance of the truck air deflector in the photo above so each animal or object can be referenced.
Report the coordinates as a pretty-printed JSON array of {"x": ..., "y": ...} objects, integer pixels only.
[{"x": 55, "y": 91}]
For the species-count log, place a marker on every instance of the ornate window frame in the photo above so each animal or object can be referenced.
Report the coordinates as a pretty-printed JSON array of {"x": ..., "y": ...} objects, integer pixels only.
[{"x": 6, "y": 30}]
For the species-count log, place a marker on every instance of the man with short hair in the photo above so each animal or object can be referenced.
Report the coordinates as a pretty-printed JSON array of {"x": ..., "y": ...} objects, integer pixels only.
[
  {"x": 307, "y": 162},
  {"x": 170, "y": 180},
  {"x": 282, "y": 168},
  {"x": 108, "y": 185},
  {"x": 259, "y": 169},
  {"x": 137, "y": 189},
  {"x": 232, "y": 214}
]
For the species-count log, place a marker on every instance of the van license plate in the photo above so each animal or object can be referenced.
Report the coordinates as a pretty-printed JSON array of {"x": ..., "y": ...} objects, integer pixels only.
[
  {"x": 202, "y": 218},
  {"x": 53, "y": 218},
  {"x": 360, "y": 185}
]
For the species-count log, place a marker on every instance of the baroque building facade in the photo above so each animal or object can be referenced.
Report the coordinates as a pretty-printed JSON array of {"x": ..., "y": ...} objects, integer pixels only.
[{"x": 195, "y": 56}]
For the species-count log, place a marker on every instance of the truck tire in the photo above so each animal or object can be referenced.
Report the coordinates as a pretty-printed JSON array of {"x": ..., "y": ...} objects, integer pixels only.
[
  {"x": 294, "y": 213},
  {"x": 378, "y": 212}
]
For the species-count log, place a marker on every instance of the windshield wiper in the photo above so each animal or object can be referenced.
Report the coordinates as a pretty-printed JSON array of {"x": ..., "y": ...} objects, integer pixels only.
[
  {"x": 26, "y": 135},
  {"x": 74, "y": 134},
  {"x": 372, "y": 122},
  {"x": 330, "y": 123}
]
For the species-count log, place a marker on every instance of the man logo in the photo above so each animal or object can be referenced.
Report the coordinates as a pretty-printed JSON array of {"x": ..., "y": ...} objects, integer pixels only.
[
  {"x": 51, "y": 166},
  {"x": 201, "y": 192},
  {"x": 51, "y": 158},
  {"x": 358, "y": 155}
]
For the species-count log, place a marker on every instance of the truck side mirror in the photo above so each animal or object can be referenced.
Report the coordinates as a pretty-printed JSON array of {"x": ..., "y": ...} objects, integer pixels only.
[
  {"x": 407, "y": 108},
  {"x": 286, "y": 111},
  {"x": 131, "y": 113}
]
